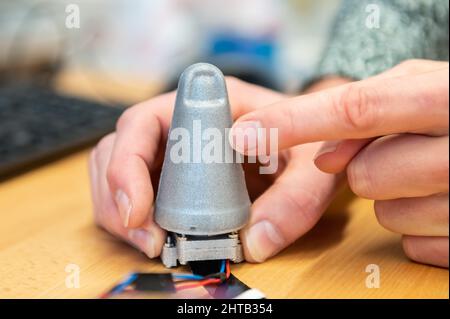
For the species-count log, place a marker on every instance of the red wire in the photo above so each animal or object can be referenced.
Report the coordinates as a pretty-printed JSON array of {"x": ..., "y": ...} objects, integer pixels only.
[
  {"x": 207, "y": 281},
  {"x": 200, "y": 283},
  {"x": 106, "y": 295},
  {"x": 192, "y": 285}
]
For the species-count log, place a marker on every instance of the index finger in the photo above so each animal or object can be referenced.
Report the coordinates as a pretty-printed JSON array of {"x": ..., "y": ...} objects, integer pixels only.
[{"x": 364, "y": 109}]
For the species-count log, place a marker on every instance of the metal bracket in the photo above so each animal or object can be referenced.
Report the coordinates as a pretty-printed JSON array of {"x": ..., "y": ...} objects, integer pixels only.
[{"x": 193, "y": 248}]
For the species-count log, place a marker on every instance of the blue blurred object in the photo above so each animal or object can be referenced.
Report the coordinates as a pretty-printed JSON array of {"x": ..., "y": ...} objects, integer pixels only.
[
  {"x": 251, "y": 59},
  {"x": 261, "y": 48}
]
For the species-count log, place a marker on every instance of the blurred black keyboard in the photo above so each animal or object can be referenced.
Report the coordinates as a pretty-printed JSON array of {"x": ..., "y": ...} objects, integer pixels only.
[{"x": 37, "y": 124}]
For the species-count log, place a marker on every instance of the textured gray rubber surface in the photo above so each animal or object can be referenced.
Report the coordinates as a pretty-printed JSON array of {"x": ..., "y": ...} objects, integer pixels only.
[{"x": 200, "y": 200}]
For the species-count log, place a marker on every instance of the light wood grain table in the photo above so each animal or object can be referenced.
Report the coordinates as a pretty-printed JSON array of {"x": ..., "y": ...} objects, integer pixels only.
[{"x": 46, "y": 227}]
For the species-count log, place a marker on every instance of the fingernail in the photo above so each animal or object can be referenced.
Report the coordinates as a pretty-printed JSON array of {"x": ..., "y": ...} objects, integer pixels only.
[
  {"x": 327, "y": 147},
  {"x": 143, "y": 240},
  {"x": 245, "y": 135},
  {"x": 124, "y": 205},
  {"x": 263, "y": 240}
]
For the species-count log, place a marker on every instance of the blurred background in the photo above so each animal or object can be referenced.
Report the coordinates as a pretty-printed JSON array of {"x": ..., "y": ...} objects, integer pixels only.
[
  {"x": 119, "y": 52},
  {"x": 271, "y": 42}
]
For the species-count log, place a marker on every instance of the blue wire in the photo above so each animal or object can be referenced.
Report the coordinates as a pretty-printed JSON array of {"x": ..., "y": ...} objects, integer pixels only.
[
  {"x": 124, "y": 284},
  {"x": 133, "y": 276},
  {"x": 197, "y": 277},
  {"x": 188, "y": 277}
]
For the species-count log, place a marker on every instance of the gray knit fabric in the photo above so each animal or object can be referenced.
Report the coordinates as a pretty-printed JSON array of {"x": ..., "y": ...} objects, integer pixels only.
[{"x": 407, "y": 29}]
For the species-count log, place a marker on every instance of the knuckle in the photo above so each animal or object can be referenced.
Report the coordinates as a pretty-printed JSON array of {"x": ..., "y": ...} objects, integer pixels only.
[
  {"x": 358, "y": 107},
  {"x": 113, "y": 172},
  {"x": 232, "y": 79},
  {"x": 105, "y": 144},
  {"x": 233, "y": 83},
  {"x": 126, "y": 118},
  {"x": 289, "y": 116},
  {"x": 440, "y": 172},
  {"x": 410, "y": 64},
  {"x": 353, "y": 178},
  {"x": 409, "y": 248},
  {"x": 360, "y": 179},
  {"x": 382, "y": 213}
]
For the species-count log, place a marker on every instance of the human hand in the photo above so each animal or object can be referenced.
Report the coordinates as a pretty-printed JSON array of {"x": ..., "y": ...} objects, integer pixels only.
[
  {"x": 389, "y": 134},
  {"x": 125, "y": 167}
]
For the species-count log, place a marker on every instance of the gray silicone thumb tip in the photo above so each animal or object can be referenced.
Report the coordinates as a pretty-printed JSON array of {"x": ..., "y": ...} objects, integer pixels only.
[{"x": 202, "y": 82}]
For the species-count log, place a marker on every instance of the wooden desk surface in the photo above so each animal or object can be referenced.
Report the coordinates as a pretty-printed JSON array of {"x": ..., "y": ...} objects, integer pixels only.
[{"x": 47, "y": 225}]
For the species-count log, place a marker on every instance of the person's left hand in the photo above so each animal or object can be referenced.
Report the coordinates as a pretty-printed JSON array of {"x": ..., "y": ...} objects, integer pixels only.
[
  {"x": 390, "y": 134},
  {"x": 125, "y": 167}
]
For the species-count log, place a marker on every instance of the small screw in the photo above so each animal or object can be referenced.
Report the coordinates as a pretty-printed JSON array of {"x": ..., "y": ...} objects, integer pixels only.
[{"x": 168, "y": 242}]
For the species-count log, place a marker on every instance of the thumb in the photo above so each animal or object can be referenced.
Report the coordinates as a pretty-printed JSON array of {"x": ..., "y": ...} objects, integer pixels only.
[{"x": 290, "y": 207}]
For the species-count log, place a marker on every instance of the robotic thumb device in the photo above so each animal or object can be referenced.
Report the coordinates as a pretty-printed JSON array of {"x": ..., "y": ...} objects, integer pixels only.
[{"x": 202, "y": 198}]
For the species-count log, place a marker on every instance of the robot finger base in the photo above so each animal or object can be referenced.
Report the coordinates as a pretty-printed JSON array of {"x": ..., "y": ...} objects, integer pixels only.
[
  {"x": 183, "y": 249},
  {"x": 202, "y": 205}
]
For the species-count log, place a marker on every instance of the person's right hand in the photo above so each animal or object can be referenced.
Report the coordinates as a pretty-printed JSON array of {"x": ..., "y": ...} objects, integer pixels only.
[
  {"x": 125, "y": 168},
  {"x": 389, "y": 133}
]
